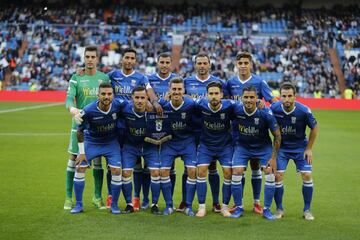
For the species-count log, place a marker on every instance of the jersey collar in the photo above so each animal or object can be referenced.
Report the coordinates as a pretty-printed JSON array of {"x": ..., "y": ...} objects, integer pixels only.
[
  {"x": 163, "y": 79},
  {"x": 287, "y": 113},
  {"x": 246, "y": 80},
  {"x": 177, "y": 108},
  {"x": 129, "y": 74},
  {"x": 215, "y": 111},
  {"x": 97, "y": 106},
  {"x": 137, "y": 115},
  {"x": 204, "y": 79},
  {"x": 250, "y": 114}
]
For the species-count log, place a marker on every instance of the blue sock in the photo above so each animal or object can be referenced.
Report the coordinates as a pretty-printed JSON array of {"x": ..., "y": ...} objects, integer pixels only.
[
  {"x": 79, "y": 185},
  {"x": 226, "y": 191},
  {"x": 137, "y": 182},
  {"x": 166, "y": 190},
  {"x": 173, "y": 180},
  {"x": 127, "y": 189},
  {"x": 108, "y": 181},
  {"x": 155, "y": 189},
  {"x": 146, "y": 179},
  {"x": 115, "y": 189},
  {"x": 307, "y": 191},
  {"x": 236, "y": 189},
  {"x": 201, "y": 188},
  {"x": 214, "y": 180},
  {"x": 278, "y": 196},
  {"x": 183, "y": 186},
  {"x": 256, "y": 179},
  {"x": 190, "y": 191},
  {"x": 269, "y": 190}
]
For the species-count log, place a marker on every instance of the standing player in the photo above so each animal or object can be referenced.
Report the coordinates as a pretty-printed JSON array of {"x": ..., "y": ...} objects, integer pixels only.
[
  {"x": 252, "y": 142},
  {"x": 195, "y": 86},
  {"x": 293, "y": 117},
  {"x": 160, "y": 81},
  {"x": 123, "y": 82},
  {"x": 99, "y": 128},
  {"x": 135, "y": 116},
  {"x": 215, "y": 143},
  {"x": 180, "y": 110},
  {"x": 83, "y": 89},
  {"x": 235, "y": 86}
]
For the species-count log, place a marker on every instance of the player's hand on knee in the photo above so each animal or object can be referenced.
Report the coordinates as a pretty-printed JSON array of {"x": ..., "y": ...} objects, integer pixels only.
[
  {"x": 271, "y": 166},
  {"x": 80, "y": 159},
  {"x": 308, "y": 155},
  {"x": 78, "y": 118}
]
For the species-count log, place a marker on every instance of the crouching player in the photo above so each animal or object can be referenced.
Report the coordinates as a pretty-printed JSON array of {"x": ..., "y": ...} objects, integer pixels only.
[
  {"x": 293, "y": 117},
  {"x": 251, "y": 134},
  {"x": 97, "y": 137}
]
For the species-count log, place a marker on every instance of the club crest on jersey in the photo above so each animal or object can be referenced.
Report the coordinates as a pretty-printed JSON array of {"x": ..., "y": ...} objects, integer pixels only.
[
  {"x": 133, "y": 82},
  {"x": 183, "y": 115},
  {"x": 222, "y": 116},
  {"x": 114, "y": 116},
  {"x": 293, "y": 119},
  {"x": 158, "y": 124},
  {"x": 256, "y": 121}
]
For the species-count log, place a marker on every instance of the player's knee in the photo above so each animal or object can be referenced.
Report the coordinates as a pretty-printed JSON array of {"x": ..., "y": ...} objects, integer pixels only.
[
  {"x": 115, "y": 171},
  {"x": 155, "y": 172},
  {"x": 227, "y": 173},
  {"x": 201, "y": 171},
  {"x": 279, "y": 176},
  {"x": 306, "y": 176},
  {"x": 165, "y": 172},
  {"x": 191, "y": 172},
  {"x": 81, "y": 169},
  {"x": 127, "y": 173},
  {"x": 238, "y": 170}
]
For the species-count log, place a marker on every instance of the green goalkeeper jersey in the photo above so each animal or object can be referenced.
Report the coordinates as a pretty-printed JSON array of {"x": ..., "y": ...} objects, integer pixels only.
[{"x": 84, "y": 89}]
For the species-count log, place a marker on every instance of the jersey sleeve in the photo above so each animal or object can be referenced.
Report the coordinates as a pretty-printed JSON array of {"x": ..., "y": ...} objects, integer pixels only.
[
  {"x": 71, "y": 92},
  {"x": 310, "y": 119},
  {"x": 265, "y": 91},
  {"x": 224, "y": 88},
  {"x": 272, "y": 123}
]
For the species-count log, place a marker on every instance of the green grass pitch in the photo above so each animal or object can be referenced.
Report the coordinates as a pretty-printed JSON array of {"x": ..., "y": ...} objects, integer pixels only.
[{"x": 33, "y": 157}]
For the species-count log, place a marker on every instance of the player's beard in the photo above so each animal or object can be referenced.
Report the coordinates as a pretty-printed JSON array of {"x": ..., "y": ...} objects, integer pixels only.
[{"x": 215, "y": 104}]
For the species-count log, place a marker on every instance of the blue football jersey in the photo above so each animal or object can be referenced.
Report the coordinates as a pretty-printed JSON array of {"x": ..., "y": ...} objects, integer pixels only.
[
  {"x": 293, "y": 125},
  {"x": 124, "y": 84},
  {"x": 180, "y": 118},
  {"x": 216, "y": 125},
  {"x": 252, "y": 130},
  {"x": 160, "y": 85},
  {"x": 196, "y": 88},
  {"x": 235, "y": 87},
  {"x": 100, "y": 126}
]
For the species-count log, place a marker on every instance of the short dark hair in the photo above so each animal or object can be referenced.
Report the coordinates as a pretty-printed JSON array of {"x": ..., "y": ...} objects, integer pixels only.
[
  {"x": 287, "y": 86},
  {"x": 92, "y": 48},
  {"x": 176, "y": 80},
  {"x": 244, "y": 55},
  {"x": 105, "y": 85},
  {"x": 250, "y": 88},
  {"x": 214, "y": 84},
  {"x": 131, "y": 50},
  {"x": 202, "y": 55},
  {"x": 138, "y": 89},
  {"x": 164, "y": 55}
]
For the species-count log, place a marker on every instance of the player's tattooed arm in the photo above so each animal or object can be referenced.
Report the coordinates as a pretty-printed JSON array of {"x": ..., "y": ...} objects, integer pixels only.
[
  {"x": 275, "y": 150},
  {"x": 154, "y": 101}
]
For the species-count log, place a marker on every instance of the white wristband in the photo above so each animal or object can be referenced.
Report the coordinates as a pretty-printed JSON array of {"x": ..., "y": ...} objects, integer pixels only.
[{"x": 81, "y": 148}]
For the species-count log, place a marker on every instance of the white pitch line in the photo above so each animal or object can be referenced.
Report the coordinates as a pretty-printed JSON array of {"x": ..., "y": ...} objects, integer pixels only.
[
  {"x": 31, "y": 107},
  {"x": 33, "y": 134}
]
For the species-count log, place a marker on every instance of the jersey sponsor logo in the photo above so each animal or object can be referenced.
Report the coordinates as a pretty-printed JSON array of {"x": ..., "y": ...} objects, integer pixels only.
[
  {"x": 178, "y": 126},
  {"x": 120, "y": 90},
  {"x": 214, "y": 126},
  {"x": 288, "y": 130},
  {"x": 250, "y": 131},
  {"x": 106, "y": 128},
  {"x": 256, "y": 121},
  {"x": 222, "y": 116},
  {"x": 293, "y": 120},
  {"x": 235, "y": 86},
  {"x": 90, "y": 91},
  {"x": 137, "y": 131},
  {"x": 158, "y": 124}
]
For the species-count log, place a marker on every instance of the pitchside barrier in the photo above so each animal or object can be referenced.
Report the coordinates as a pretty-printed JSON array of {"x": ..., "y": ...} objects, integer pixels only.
[{"x": 59, "y": 96}]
